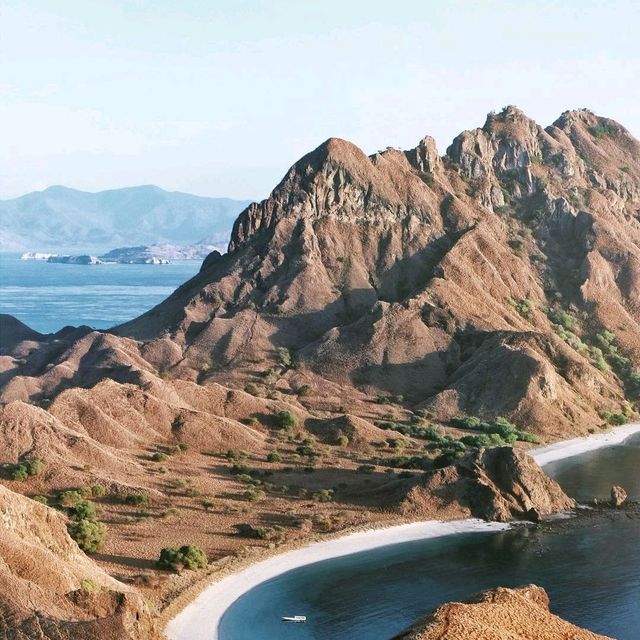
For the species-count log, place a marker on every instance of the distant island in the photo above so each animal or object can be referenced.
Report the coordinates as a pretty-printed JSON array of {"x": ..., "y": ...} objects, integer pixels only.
[{"x": 143, "y": 254}]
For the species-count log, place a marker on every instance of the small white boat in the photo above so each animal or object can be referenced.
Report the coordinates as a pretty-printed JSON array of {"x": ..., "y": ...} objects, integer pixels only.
[{"x": 294, "y": 618}]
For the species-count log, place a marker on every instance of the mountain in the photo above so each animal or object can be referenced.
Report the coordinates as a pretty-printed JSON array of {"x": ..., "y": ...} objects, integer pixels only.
[
  {"x": 63, "y": 218},
  {"x": 375, "y": 317},
  {"x": 502, "y": 278}
]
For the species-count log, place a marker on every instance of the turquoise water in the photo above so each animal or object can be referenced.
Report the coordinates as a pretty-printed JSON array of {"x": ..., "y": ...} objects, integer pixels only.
[
  {"x": 592, "y": 574},
  {"x": 48, "y": 297}
]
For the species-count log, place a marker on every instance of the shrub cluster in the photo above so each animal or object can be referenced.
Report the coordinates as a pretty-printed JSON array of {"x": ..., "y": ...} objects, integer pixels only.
[
  {"x": 188, "y": 556},
  {"x": 506, "y": 431},
  {"x": 286, "y": 420},
  {"x": 26, "y": 468}
]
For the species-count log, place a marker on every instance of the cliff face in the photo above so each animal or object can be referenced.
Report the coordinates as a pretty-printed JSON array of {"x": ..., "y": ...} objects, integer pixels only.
[
  {"x": 51, "y": 589},
  {"x": 499, "y": 614}
]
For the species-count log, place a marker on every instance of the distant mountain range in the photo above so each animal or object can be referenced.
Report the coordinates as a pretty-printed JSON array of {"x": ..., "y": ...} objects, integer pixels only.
[{"x": 60, "y": 218}]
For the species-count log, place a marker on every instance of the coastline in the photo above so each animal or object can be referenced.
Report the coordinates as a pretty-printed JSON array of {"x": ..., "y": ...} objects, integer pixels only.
[
  {"x": 200, "y": 619},
  {"x": 576, "y": 446}
]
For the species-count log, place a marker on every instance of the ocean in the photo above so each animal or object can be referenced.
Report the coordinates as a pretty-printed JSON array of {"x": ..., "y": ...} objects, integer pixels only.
[{"x": 48, "y": 297}]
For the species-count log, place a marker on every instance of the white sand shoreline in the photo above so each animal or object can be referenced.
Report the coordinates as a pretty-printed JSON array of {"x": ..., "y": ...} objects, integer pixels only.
[
  {"x": 200, "y": 619},
  {"x": 576, "y": 446}
]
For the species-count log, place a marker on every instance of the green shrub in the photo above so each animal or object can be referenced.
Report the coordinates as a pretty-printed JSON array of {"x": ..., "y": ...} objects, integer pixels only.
[
  {"x": 87, "y": 584},
  {"x": 88, "y": 534},
  {"x": 323, "y": 495},
  {"x": 18, "y": 472},
  {"x": 98, "y": 490},
  {"x": 41, "y": 499},
  {"x": 268, "y": 533},
  {"x": 83, "y": 510},
  {"x": 342, "y": 441},
  {"x": 506, "y": 431},
  {"x": 305, "y": 390},
  {"x": 602, "y": 129},
  {"x": 159, "y": 456},
  {"x": 136, "y": 499},
  {"x": 232, "y": 454},
  {"x": 253, "y": 389},
  {"x": 208, "y": 503},
  {"x": 286, "y": 420},
  {"x": 34, "y": 467},
  {"x": 70, "y": 497},
  {"x": 366, "y": 468},
  {"x": 274, "y": 456},
  {"x": 404, "y": 462},
  {"x": 284, "y": 357},
  {"x": 524, "y": 307},
  {"x": 239, "y": 468},
  {"x": 614, "y": 418},
  {"x": 188, "y": 556},
  {"x": 445, "y": 459},
  {"x": 25, "y": 469},
  {"x": 253, "y": 495},
  {"x": 563, "y": 318}
]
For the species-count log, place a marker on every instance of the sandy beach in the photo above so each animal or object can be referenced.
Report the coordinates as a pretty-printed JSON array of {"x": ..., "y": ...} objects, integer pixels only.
[
  {"x": 200, "y": 619},
  {"x": 576, "y": 446}
]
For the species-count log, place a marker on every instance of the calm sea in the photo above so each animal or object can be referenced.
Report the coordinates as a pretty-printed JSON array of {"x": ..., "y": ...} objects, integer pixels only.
[
  {"x": 592, "y": 574},
  {"x": 48, "y": 297}
]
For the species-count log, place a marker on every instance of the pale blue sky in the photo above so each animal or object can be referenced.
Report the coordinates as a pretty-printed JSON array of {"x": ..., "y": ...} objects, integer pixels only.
[{"x": 221, "y": 97}]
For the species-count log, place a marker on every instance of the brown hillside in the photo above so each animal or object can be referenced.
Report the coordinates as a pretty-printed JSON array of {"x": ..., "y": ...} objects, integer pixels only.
[
  {"x": 499, "y": 614},
  {"x": 51, "y": 590}
]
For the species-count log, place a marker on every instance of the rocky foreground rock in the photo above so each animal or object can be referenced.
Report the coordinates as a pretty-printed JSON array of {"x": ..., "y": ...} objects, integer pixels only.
[
  {"x": 499, "y": 484},
  {"x": 51, "y": 590},
  {"x": 499, "y": 614}
]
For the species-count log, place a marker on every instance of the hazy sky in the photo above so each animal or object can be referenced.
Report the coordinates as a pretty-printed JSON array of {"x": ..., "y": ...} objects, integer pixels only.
[{"x": 221, "y": 97}]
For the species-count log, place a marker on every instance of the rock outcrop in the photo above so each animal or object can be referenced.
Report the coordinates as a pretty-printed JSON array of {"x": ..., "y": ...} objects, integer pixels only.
[
  {"x": 51, "y": 589},
  {"x": 499, "y": 614},
  {"x": 497, "y": 484},
  {"x": 618, "y": 496}
]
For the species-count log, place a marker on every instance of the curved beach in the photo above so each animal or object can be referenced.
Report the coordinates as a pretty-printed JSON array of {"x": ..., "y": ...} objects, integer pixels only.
[
  {"x": 201, "y": 618},
  {"x": 576, "y": 446}
]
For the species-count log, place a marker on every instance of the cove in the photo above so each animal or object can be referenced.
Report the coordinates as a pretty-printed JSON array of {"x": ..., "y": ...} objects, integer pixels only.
[{"x": 592, "y": 574}]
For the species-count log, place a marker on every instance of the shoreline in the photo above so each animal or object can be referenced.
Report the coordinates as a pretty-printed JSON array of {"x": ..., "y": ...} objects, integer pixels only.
[
  {"x": 200, "y": 619},
  {"x": 576, "y": 446}
]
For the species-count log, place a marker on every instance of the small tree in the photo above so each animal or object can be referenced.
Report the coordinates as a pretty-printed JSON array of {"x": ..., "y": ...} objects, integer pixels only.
[
  {"x": 188, "y": 556},
  {"x": 83, "y": 510},
  {"x": 286, "y": 420},
  {"x": 342, "y": 441},
  {"x": 88, "y": 534}
]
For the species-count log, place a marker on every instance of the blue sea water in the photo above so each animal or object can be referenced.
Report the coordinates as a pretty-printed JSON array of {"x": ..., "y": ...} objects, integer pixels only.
[
  {"x": 592, "y": 574},
  {"x": 48, "y": 297}
]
